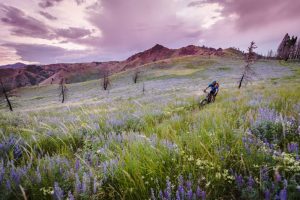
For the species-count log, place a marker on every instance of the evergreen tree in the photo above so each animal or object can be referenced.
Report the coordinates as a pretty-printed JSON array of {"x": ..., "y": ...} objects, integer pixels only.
[
  {"x": 297, "y": 51},
  {"x": 287, "y": 47},
  {"x": 282, "y": 46}
]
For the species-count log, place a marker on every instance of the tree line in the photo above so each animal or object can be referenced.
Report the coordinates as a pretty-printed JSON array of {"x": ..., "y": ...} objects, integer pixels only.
[{"x": 289, "y": 48}]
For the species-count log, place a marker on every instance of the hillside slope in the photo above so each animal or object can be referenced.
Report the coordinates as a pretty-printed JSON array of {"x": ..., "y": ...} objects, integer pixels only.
[
  {"x": 48, "y": 74},
  {"x": 155, "y": 144}
]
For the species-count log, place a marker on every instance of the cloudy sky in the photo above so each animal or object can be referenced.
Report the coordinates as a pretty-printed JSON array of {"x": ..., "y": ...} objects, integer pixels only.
[{"x": 51, "y": 31}]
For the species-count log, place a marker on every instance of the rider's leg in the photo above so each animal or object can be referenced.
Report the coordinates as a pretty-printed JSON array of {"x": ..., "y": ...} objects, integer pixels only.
[{"x": 210, "y": 97}]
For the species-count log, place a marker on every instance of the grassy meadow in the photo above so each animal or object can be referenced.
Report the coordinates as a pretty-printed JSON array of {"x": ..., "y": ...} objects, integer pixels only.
[{"x": 127, "y": 143}]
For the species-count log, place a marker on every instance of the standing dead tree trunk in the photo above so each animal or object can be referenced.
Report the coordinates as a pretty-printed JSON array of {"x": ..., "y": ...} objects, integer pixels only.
[
  {"x": 248, "y": 72},
  {"x": 105, "y": 81},
  {"x": 136, "y": 76},
  {"x": 63, "y": 90},
  {"x": 144, "y": 89},
  {"x": 6, "y": 96}
]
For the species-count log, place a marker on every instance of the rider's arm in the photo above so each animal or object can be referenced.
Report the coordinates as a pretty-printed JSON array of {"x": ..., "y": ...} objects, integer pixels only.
[{"x": 206, "y": 88}]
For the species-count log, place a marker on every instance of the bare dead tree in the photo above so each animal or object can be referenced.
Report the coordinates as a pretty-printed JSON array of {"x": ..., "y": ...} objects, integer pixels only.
[
  {"x": 5, "y": 93},
  {"x": 144, "y": 89},
  {"x": 136, "y": 76},
  {"x": 248, "y": 72},
  {"x": 63, "y": 90},
  {"x": 105, "y": 81}
]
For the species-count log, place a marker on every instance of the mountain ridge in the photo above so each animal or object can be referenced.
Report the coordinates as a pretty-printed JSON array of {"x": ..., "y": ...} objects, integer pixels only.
[
  {"x": 15, "y": 65},
  {"x": 28, "y": 75}
]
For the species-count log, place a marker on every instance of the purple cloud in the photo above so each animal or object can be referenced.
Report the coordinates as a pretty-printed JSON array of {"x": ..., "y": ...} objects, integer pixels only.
[
  {"x": 45, "y": 53},
  {"x": 80, "y": 1},
  {"x": 48, "y": 3},
  {"x": 73, "y": 32},
  {"x": 23, "y": 25},
  {"x": 47, "y": 15}
]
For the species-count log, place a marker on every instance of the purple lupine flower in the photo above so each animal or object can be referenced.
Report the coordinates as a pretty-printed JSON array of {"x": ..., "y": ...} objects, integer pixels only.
[
  {"x": 95, "y": 185},
  {"x": 38, "y": 175},
  {"x": 250, "y": 182},
  {"x": 267, "y": 194},
  {"x": 188, "y": 184},
  {"x": 266, "y": 114},
  {"x": 161, "y": 196},
  {"x": 77, "y": 164},
  {"x": 8, "y": 185},
  {"x": 283, "y": 194},
  {"x": 285, "y": 183},
  {"x": 78, "y": 186},
  {"x": 58, "y": 192},
  {"x": 181, "y": 191},
  {"x": 272, "y": 187},
  {"x": 239, "y": 180},
  {"x": 85, "y": 182},
  {"x": 17, "y": 152},
  {"x": 2, "y": 171},
  {"x": 189, "y": 194},
  {"x": 293, "y": 147},
  {"x": 203, "y": 195},
  {"x": 70, "y": 196},
  {"x": 277, "y": 177},
  {"x": 246, "y": 145},
  {"x": 264, "y": 173},
  {"x": 15, "y": 176},
  {"x": 198, "y": 192},
  {"x": 168, "y": 191},
  {"x": 177, "y": 195}
]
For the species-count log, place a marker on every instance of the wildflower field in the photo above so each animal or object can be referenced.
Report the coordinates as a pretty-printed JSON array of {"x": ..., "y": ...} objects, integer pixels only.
[{"x": 157, "y": 144}]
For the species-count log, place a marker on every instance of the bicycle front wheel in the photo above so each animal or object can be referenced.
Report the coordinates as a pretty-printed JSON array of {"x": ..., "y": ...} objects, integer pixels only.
[{"x": 203, "y": 102}]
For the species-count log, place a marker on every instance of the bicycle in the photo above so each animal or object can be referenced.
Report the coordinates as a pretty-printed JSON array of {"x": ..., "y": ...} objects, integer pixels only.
[{"x": 208, "y": 99}]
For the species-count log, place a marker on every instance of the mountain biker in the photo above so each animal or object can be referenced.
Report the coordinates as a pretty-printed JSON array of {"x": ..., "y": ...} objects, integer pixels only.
[{"x": 214, "y": 89}]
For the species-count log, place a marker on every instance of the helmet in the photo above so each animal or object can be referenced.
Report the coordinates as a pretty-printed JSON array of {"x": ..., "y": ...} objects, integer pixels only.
[{"x": 214, "y": 82}]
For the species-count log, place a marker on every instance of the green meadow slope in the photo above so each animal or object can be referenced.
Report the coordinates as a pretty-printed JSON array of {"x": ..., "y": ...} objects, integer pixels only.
[{"x": 158, "y": 144}]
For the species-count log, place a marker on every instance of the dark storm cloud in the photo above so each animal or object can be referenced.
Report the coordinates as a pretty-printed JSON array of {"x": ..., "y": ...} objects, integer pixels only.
[
  {"x": 79, "y": 1},
  {"x": 37, "y": 53},
  {"x": 23, "y": 25},
  {"x": 51, "y": 3},
  {"x": 42, "y": 53},
  {"x": 48, "y": 3},
  {"x": 47, "y": 15}
]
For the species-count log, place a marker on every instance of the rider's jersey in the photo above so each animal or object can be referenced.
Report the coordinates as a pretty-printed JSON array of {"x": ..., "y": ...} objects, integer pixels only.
[{"x": 214, "y": 88}]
